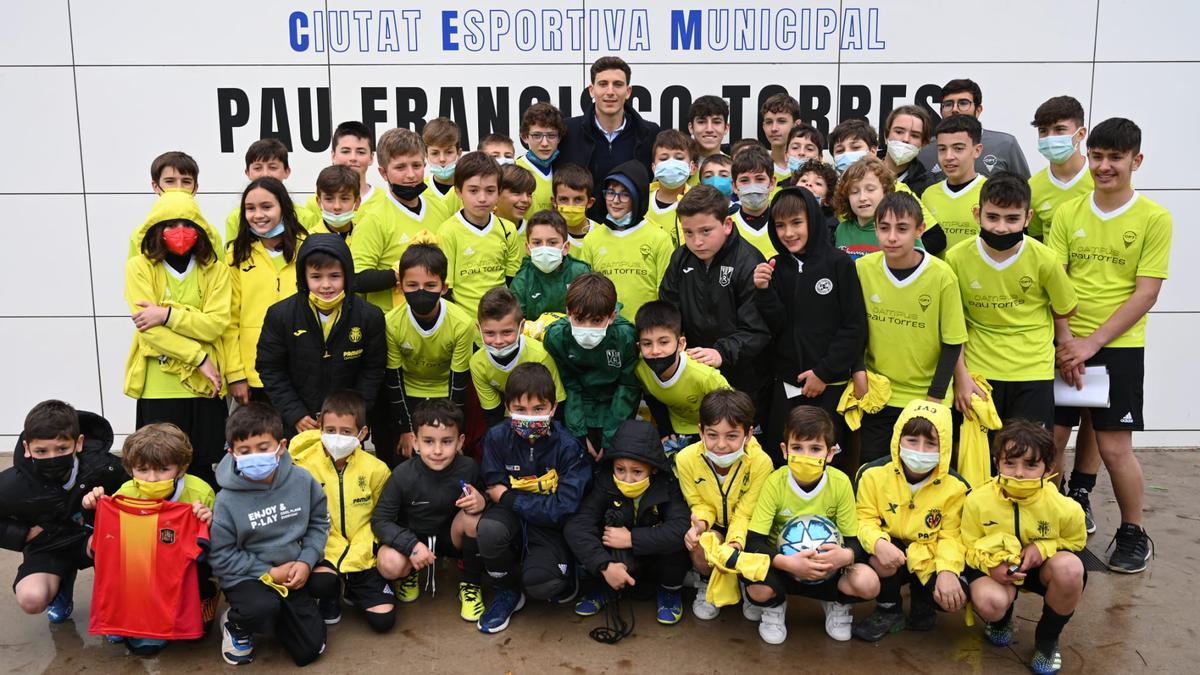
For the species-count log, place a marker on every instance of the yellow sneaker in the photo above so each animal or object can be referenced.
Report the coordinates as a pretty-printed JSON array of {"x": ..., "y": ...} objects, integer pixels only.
[
  {"x": 407, "y": 589},
  {"x": 471, "y": 597}
]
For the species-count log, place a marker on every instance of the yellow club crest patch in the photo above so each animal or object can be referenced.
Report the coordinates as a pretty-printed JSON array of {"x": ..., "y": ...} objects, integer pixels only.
[{"x": 356, "y": 334}]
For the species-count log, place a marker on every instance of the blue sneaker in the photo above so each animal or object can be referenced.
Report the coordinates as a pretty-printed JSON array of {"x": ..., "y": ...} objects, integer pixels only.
[
  {"x": 592, "y": 601},
  {"x": 1046, "y": 662},
  {"x": 237, "y": 646},
  {"x": 62, "y": 605},
  {"x": 670, "y": 606},
  {"x": 998, "y": 633},
  {"x": 114, "y": 639},
  {"x": 145, "y": 646},
  {"x": 507, "y": 602}
]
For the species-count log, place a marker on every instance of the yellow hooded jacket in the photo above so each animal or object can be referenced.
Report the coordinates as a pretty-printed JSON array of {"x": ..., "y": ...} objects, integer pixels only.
[
  {"x": 190, "y": 334},
  {"x": 1050, "y": 520},
  {"x": 351, "y": 495},
  {"x": 926, "y": 520},
  {"x": 729, "y": 505},
  {"x": 256, "y": 286}
]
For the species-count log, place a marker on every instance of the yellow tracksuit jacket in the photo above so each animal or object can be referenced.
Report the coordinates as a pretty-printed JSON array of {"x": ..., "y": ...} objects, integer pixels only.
[
  {"x": 190, "y": 334},
  {"x": 730, "y": 505},
  {"x": 995, "y": 527},
  {"x": 351, "y": 495},
  {"x": 256, "y": 286},
  {"x": 927, "y": 520}
]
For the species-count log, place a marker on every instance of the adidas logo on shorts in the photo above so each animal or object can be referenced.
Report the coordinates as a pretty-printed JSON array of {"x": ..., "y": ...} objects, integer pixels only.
[{"x": 1127, "y": 419}]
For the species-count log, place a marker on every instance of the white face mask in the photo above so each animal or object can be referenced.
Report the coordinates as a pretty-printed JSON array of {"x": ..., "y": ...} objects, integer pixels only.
[
  {"x": 754, "y": 196},
  {"x": 546, "y": 258},
  {"x": 503, "y": 352},
  {"x": 901, "y": 153},
  {"x": 338, "y": 446},
  {"x": 919, "y": 462},
  {"x": 588, "y": 338},
  {"x": 725, "y": 461}
]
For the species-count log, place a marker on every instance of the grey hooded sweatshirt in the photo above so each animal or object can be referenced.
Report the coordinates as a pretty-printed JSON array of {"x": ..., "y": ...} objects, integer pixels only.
[{"x": 257, "y": 526}]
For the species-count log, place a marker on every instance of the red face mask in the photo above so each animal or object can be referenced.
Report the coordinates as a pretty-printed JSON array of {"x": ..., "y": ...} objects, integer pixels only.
[{"x": 180, "y": 239}]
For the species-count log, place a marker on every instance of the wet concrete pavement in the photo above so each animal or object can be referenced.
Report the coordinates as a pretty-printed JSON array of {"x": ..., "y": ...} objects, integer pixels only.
[{"x": 1125, "y": 624}]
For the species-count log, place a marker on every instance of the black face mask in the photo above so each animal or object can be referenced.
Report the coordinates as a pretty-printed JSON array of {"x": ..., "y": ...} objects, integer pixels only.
[
  {"x": 55, "y": 469},
  {"x": 661, "y": 364},
  {"x": 1001, "y": 242},
  {"x": 421, "y": 301},
  {"x": 408, "y": 192}
]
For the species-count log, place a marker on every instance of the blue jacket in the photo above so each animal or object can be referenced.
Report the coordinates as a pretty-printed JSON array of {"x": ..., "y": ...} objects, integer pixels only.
[{"x": 506, "y": 456}]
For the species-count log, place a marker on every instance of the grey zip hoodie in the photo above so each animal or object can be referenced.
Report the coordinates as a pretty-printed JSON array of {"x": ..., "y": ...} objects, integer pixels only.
[{"x": 257, "y": 526}]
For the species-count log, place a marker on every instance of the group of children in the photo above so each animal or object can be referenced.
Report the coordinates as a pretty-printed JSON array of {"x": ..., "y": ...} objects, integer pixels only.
[{"x": 585, "y": 410}]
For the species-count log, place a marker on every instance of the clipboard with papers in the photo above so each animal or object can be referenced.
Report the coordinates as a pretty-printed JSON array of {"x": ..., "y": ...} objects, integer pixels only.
[{"x": 1094, "y": 393}]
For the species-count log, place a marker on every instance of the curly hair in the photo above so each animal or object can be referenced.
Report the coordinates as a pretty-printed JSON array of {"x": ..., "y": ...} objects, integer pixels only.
[{"x": 856, "y": 172}]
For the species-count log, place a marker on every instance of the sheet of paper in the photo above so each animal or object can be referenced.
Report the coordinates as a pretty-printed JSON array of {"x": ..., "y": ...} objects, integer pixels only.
[
  {"x": 792, "y": 391},
  {"x": 1093, "y": 395}
]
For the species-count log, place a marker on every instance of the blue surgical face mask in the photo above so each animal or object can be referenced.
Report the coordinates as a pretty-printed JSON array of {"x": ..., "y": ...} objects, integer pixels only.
[
  {"x": 1057, "y": 149},
  {"x": 621, "y": 222},
  {"x": 722, "y": 183},
  {"x": 844, "y": 160},
  {"x": 259, "y": 465},
  {"x": 442, "y": 173},
  {"x": 794, "y": 163},
  {"x": 273, "y": 232},
  {"x": 672, "y": 172}
]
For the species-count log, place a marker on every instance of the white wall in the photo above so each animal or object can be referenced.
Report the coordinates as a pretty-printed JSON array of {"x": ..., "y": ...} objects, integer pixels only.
[{"x": 94, "y": 90}]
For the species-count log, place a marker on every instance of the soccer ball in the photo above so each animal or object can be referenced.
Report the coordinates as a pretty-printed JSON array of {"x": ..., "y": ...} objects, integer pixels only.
[{"x": 807, "y": 532}]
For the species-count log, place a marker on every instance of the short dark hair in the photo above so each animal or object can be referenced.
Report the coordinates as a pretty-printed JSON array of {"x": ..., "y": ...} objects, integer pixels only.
[
  {"x": 1058, "y": 108},
  {"x": 1006, "y": 190},
  {"x": 753, "y": 159},
  {"x": 674, "y": 139},
  {"x": 156, "y": 446},
  {"x": 293, "y": 231},
  {"x": 51, "y": 420},
  {"x": 475, "y": 164},
  {"x": 493, "y": 139},
  {"x": 346, "y": 402},
  {"x": 253, "y": 419},
  {"x": 574, "y": 177},
  {"x": 703, "y": 199},
  {"x": 547, "y": 218},
  {"x": 182, "y": 162},
  {"x": 426, "y": 256},
  {"x": 266, "y": 149},
  {"x": 853, "y": 129},
  {"x": 439, "y": 412},
  {"x": 707, "y": 106},
  {"x": 742, "y": 145},
  {"x": 516, "y": 179},
  {"x": 956, "y": 124},
  {"x": 807, "y": 422},
  {"x": 900, "y": 205},
  {"x": 591, "y": 296},
  {"x": 716, "y": 158},
  {"x": 440, "y": 131},
  {"x": 353, "y": 128},
  {"x": 499, "y": 303},
  {"x": 1018, "y": 437},
  {"x": 610, "y": 63},
  {"x": 543, "y": 114},
  {"x": 659, "y": 314},
  {"x": 788, "y": 205},
  {"x": 822, "y": 169},
  {"x": 803, "y": 130},
  {"x": 781, "y": 103},
  {"x": 336, "y": 179},
  {"x": 912, "y": 111},
  {"x": 319, "y": 260},
  {"x": 963, "y": 84},
  {"x": 727, "y": 405},
  {"x": 530, "y": 379},
  {"x": 920, "y": 426},
  {"x": 1116, "y": 133}
]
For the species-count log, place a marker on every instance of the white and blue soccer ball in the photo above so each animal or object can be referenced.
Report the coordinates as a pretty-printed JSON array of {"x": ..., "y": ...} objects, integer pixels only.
[{"x": 808, "y": 532}]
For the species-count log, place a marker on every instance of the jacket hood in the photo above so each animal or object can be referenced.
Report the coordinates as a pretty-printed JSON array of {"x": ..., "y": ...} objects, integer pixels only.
[
  {"x": 939, "y": 415},
  {"x": 634, "y": 176},
  {"x": 97, "y": 438},
  {"x": 329, "y": 243},
  {"x": 176, "y": 205},
  {"x": 818, "y": 233},
  {"x": 229, "y": 478},
  {"x": 305, "y": 445},
  {"x": 638, "y": 439}
]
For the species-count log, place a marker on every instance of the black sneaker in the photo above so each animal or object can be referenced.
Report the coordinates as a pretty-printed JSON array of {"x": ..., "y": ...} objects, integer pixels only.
[
  {"x": 922, "y": 613},
  {"x": 878, "y": 624},
  {"x": 1081, "y": 495},
  {"x": 1133, "y": 549},
  {"x": 331, "y": 610}
]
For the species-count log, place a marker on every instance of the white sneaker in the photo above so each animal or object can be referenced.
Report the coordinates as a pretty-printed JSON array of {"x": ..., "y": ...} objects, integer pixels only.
[
  {"x": 837, "y": 620},
  {"x": 702, "y": 608},
  {"x": 752, "y": 612},
  {"x": 692, "y": 579},
  {"x": 772, "y": 628}
]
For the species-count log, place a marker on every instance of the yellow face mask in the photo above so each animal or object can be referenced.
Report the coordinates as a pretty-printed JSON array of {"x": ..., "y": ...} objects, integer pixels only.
[
  {"x": 574, "y": 215},
  {"x": 155, "y": 489},
  {"x": 632, "y": 490},
  {"x": 326, "y": 306},
  {"x": 1022, "y": 488},
  {"x": 806, "y": 469}
]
